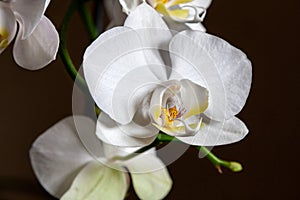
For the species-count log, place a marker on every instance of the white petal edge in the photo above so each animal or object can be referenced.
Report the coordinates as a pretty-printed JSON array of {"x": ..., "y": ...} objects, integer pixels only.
[
  {"x": 8, "y": 27},
  {"x": 215, "y": 64},
  {"x": 39, "y": 49},
  {"x": 113, "y": 133},
  {"x": 200, "y": 3},
  {"x": 57, "y": 155},
  {"x": 29, "y": 14},
  {"x": 215, "y": 133},
  {"x": 98, "y": 182}
]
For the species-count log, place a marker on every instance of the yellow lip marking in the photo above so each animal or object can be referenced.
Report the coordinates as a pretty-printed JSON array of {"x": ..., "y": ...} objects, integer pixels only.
[
  {"x": 160, "y": 6},
  {"x": 4, "y": 35},
  {"x": 170, "y": 115}
]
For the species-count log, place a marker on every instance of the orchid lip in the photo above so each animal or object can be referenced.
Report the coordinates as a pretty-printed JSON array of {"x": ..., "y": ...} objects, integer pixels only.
[
  {"x": 188, "y": 130},
  {"x": 198, "y": 16}
]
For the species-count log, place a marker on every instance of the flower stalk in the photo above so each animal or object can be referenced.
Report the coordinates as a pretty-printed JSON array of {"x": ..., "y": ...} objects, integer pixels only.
[
  {"x": 217, "y": 162},
  {"x": 88, "y": 21},
  {"x": 63, "y": 50}
]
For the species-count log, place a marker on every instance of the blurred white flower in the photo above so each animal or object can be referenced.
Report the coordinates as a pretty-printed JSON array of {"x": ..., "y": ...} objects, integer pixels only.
[
  {"x": 196, "y": 99},
  {"x": 72, "y": 164},
  {"x": 178, "y": 14},
  {"x": 37, "y": 40}
]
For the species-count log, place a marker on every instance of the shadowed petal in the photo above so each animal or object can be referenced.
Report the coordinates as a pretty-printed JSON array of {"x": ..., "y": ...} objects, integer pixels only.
[
  {"x": 120, "y": 135},
  {"x": 29, "y": 13},
  {"x": 39, "y": 49}
]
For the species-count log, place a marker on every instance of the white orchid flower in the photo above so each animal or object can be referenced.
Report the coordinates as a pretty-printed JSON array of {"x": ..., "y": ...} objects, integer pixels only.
[
  {"x": 196, "y": 99},
  {"x": 37, "y": 40},
  {"x": 68, "y": 171},
  {"x": 178, "y": 14}
]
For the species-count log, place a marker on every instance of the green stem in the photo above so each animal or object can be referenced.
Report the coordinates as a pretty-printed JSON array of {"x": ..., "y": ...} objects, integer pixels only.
[
  {"x": 63, "y": 50},
  {"x": 217, "y": 162},
  {"x": 88, "y": 21}
]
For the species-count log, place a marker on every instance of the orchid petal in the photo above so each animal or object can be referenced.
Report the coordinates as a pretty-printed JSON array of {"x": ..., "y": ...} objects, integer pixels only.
[
  {"x": 154, "y": 36},
  {"x": 144, "y": 16},
  {"x": 58, "y": 154},
  {"x": 113, "y": 133},
  {"x": 194, "y": 98},
  {"x": 112, "y": 151},
  {"x": 8, "y": 27},
  {"x": 29, "y": 13},
  {"x": 39, "y": 49},
  {"x": 213, "y": 63},
  {"x": 97, "y": 182},
  {"x": 129, "y": 5},
  {"x": 150, "y": 177},
  {"x": 218, "y": 133},
  {"x": 118, "y": 53},
  {"x": 200, "y": 3}
]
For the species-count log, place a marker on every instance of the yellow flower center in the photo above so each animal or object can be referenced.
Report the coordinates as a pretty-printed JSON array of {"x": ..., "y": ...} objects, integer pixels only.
[
  {"x": 170, "y": 114},
  {"x": 4, "y": 35}
]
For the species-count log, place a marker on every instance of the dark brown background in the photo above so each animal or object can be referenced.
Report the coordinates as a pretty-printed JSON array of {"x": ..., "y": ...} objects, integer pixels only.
[{"x": 267, "y": 31}]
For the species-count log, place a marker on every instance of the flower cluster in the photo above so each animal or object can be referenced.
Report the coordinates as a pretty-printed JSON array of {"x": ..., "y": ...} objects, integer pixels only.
[{"x": 155, "y": 76}]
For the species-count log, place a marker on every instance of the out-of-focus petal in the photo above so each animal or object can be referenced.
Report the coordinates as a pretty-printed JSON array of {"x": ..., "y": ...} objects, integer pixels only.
[
  {"x": 98, "y": 182},
  {"x": 58, "y": 154},
  {"x": 117, "y": 73},
  {"x": 150, "y": 177},
  {"x": 218, "y": 133},
  {"x": 29, "y": 13},
  {"x": 39, "y": 49},
  {"x": 8, "y": 27},
  {"x": 116, "y": 134},
  {"x": 213, "y": 63}
]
